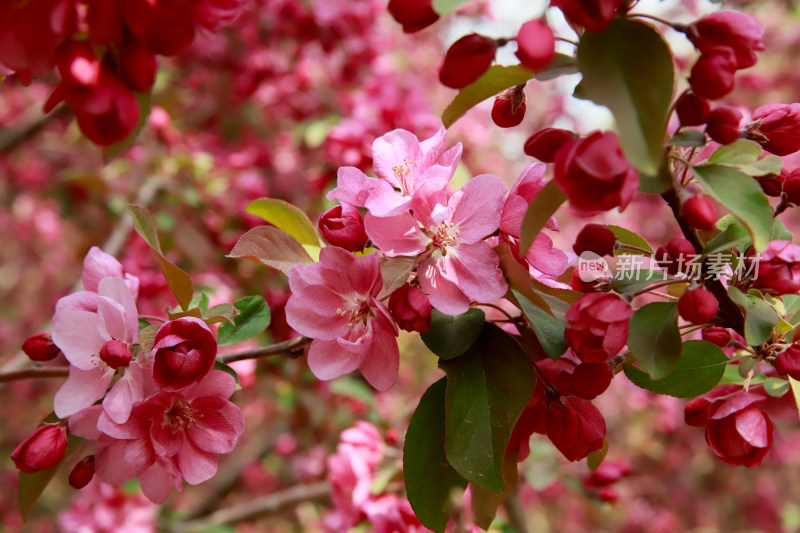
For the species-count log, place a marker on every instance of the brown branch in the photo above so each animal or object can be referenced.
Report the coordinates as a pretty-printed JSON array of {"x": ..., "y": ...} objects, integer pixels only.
[
  {"x": 35, "y": 372},
  {"x": 515, "y": 513},
  {"x": 292, "y": 348},
  {"x": 12, "y": 138},
  {"x": 268, "y": 504}
]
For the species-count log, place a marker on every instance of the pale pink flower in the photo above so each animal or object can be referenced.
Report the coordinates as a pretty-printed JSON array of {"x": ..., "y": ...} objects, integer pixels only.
[
  {"x": 101, "y": 508},
  {"x": 402, "y": 163},
  {"x": 98, "y": 265},
  {"x": 335, "y": 303},
  {"x": 458, "y": 265},
  {"x": 169, "y": 437}
]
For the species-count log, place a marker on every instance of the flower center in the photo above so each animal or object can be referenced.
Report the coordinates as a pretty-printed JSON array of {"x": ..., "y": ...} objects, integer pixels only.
[
  {"x": 180, "y": 416},
  {"x": 445, "y": 235},
  {"x": 361, "y": 311},
  {"x": 403, "y": 174}
]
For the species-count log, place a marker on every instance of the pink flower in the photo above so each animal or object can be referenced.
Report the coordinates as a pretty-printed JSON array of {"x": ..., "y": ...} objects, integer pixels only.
[
  {"x": 779, "y": 268},
  {"x": 458, "y": 265},
  {"x": 169, "y": 436},
  {"x": 98, "y": 265},
  {"x": 101, "y": 507},
  {"x": 335, "y": 303},
  {"x": 401, "y": 162},
  {"x": 184, "y": 351}
]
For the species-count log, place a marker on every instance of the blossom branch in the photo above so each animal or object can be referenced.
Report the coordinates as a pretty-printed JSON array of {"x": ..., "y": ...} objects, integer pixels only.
[
  {"x": 291, "y": 348},
  {"x": 35, "y": 372}
]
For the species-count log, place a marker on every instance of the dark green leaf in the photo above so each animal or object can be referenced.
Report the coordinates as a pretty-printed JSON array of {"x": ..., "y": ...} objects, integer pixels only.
[
  {"x": 733, "y": 235},
  {"x": 685, "y": 137},
  {"x": 698, "y": 370},
  {"x": 484, "y": 504},
  {"x": 628, "y": 68},
  {"x": 178, "y": 280},
  {"x": 654, "y": 338},
  {"x": 759, "y": 316},
  {"x": 253, "y": 318},
  {"x": 487, "y": 389},
  {"x": 451, "y": 336},
  {"x": 742, "y": 196},
  {"x": 626, "y": 236},
  {"x": 546, "y": 203},
  {"x": 430, "y": 480},
  {"x": 547, "y": 329},
  {"x": 287, "y": 217}
]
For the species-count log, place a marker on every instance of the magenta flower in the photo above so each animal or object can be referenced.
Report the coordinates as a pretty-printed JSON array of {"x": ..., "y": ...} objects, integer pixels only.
[
  {"x": 169, "y": 437},
  {"x": 335, "y": 303},
  {"x": 402, "y": 163},
  {"x": 457, "y": 265}
]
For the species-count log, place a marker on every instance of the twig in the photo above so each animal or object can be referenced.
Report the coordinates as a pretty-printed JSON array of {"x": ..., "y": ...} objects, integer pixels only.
[
  {"x": 13, "y": 138},
  {"x": 515, "y": 513},
  {"x": 35, "y": 372},
  {"x": 287, "y": 347},
  {"x": 268, "y": 504},
  {"x": 658, "y": 286}
]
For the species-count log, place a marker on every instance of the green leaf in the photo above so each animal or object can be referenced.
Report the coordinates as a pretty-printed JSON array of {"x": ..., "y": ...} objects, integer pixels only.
[
  {"x": 698, "y": 370},
  {"x": 744, "y": 155},
  {"x": 487, "y": 389},
  {"x": 628, "y": 68},
  {"x": 178, "y": 280},
  {"x": 734, "y": 235},
  {"x": 395, "y": 272},
  {"x": 145, "y": 106},
  {"x": 795, "y": 391},
  {"x": 595, "y": 458},
  {"x": 776, "y": 387},
  {"x": 631, "y": 281},
  {"x": 253, "y": 318},
  {"x": 499, "y": 78},
  {"x": 271, "y": 247},
  {"x": 547, "y": 329},
  {"x": 218, "y": 365},
  {"x": 626, "y": 236},
  {"x": 654, "y": 338},
  {"x": 429, "y": 478},
  {"x": 742, "y": 196},
  {"x": 445, "y": 7},
  {"x": 451, "y": 336},
  {"x": 31, "y": 486},
  {"x": 686, "y": 137},
  {"x": 546, "y": 203},
  {"x": 484, "y": 504},
  {"x": 285, "y": 216},
  {"x": 759, "y": 316}
]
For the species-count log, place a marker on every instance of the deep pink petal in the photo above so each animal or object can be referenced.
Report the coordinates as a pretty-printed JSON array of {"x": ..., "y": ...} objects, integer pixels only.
[
  {"x": 301, "y": 316},
  {"x": 218, "y": 428},
  {"x": 382, "y": 363},
  {"x": 475, "y": 267},
  {"x": 752, "y": 426},
  {"x": 327, "y": 360},
  {"x": 443, "y": 293},
  {"x": 119, "y": 461},
  {"x": 545, "y": 257},
  {"x": 84, "y": 422},
  {"x": 196, "y": 465},
  {"x": 82, "y": 389},
  {"x": 427, "y": 198},
  {"x": 364, "y": 275},
  {"x": 216, "y": 383},
  {"x": 399, "y": 235},
  {"x": 157, "y": 483}
]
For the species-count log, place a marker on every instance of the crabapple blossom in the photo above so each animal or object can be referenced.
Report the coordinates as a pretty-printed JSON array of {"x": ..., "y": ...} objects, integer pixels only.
[
  {"x": 779, "y": 268},
  {"x": 739, "y": 32},
  {"x": 697, "y": 306},
  {"x": 788, "y": 361},
  {"x": 42, "y": 450},
  {"x": 724, "y": 124},
  {"x": 184, "y": 351},
  {"x": 598, "y": 326},
  {"x": 335, "y": 302},
  {"x": 101, "y": 507},
  {"x": 777, "y": 127},
  {"x": 544, "y": 144},
  {"x": 595, "y": 238},
  {"x": 692, "y": 110},
  {"x": 701, "y": 213},
  {"x": 40, "y": 347}
]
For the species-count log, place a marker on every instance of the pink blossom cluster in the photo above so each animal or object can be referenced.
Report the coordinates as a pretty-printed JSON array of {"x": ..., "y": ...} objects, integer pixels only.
[
  {"x": 164, "y": 415},
  {"x": 412, "y": 215}
]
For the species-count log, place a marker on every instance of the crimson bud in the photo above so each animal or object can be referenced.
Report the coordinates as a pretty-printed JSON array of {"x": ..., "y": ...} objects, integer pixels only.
[
  {"x": 738, "y": 432},
  {"x": 343, "y": 226},
  {"x": 137, "y": 67},
  {"x": 184, "y": 351},
  {"x": 779, "y": 268},
  {"x": 115, "y": 354},
  {"x": 82, "y": 474},
  {"x": 411, "y": 309},
  {"x": 701, "y": 213},
  {"x": 712, "y": 75},
  {"x": 597, "y": 326},
  {"x": 697, "y": 306},
  {"x": 590, "y": 380},
  {"x": 466, "y": 60},
  {"x": 40, "y": 347},
  {"x": 779, "y": 124},
  {"x": 723, "y": 124},
  {"x": 732, "y": 29},
  {"x": 42, "y": 450},
  {"x": 414, "y": 15},
  {"x": 544, "y": 144},
  {"x": 509, "y": 108},
  {"x": 675, "y": 255},
  {"x": 692, "y": 110},
  {"x": 595, "y": 238},
  {"x": 536, "y": 45},
  {"x": 594, "y": 15}
]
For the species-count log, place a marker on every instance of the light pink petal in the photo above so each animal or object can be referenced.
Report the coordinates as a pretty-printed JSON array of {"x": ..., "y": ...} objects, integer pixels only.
[
  {"x": 157, "y": 483},
  {"x": 111, "y": 324},
  {"x": 446, "y": 166},
  {"x": 432, "y": 147},
  {"x": 384, "y": 201},
  {"x": 429, "y": 197},
  {"x": 513, "y": 213},
  {"x": 381, "y": 365},
  {"x": 219, "y": 427},
  {"x": 327, "y": 360},
  {"x": 352, "y": 187},
  {"x": 443, "y": 293},
  {"x": 118, "y": 290},
  {"x": 530, "y": 182},
  {"x": 476, "y": 270},
  {"x": 82, "y": 389},
  {"x": 304, "y": 319},
  {"x": 477, "y": 206},
  {"x": 216, "y": 383},
  {"x": 196, "y": 465},
  {"x": 546, "y": 258},
  {"x": 399, "y": 235},
  {"x": 98, "y": 265},
  {"x": 120, "y": 399},
  {"x": 84, "y": 422},
  {"x": 119, "y": 461},
  {"x": 392, "y": 149},
  {"x": 359, "y": 338},
  {"x": 75, "y": 329}
]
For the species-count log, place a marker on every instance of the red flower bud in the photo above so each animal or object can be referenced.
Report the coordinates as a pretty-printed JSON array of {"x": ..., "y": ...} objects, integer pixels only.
[
  {"x": 724, "y": 124},
  {"x": 738, "y": 432},
  {"x": 597, "y": 326},
  {"x": 544, "y": 144},
  {"x": 595, "y": 238},
  {"x": 115, "y": 354},
  {"x": 791, "y": 186},
  {"x": 595, "y": 174},
  {"x": 116, "y": 121},
  {"x": 692, "y": 110},
  {"x": 183, "y": 352},
  {"x": 594, "y": 15},
  {"x": 40, "y": 347},
  {"x": 575, "y": 427},
  {"x": 701, "y": 213},
  {"x": 697, "y": 306},
  {"x": 411, "y": 309},
  {"x": 466, "y": 60},
  {"x": 42, "y": 450},
  {"x": 509, "y": 109},
  {"x": 780, "y": 125},
  {"x": 779, "y": 268},
  {"x": 609, "y": 472},
  {"x": 343, "y": 226},
  {"x": 737, "y": 31},
  {"x": 675, "y": 256},
  {"x": 788, "y": 362},
  {"x": 137, "y": 67},
  {"x": 712, "y": 75},
  {"x": 598, "y": 285},
  {"x": 82, "y": 474},
  {"x": 772, "y": 184},
  {"x": 414, "y": 15},
  {"x": 590, "y": 380},
  {"x": 536, "y": 45},
  {"x": 722, "y": 337}
]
